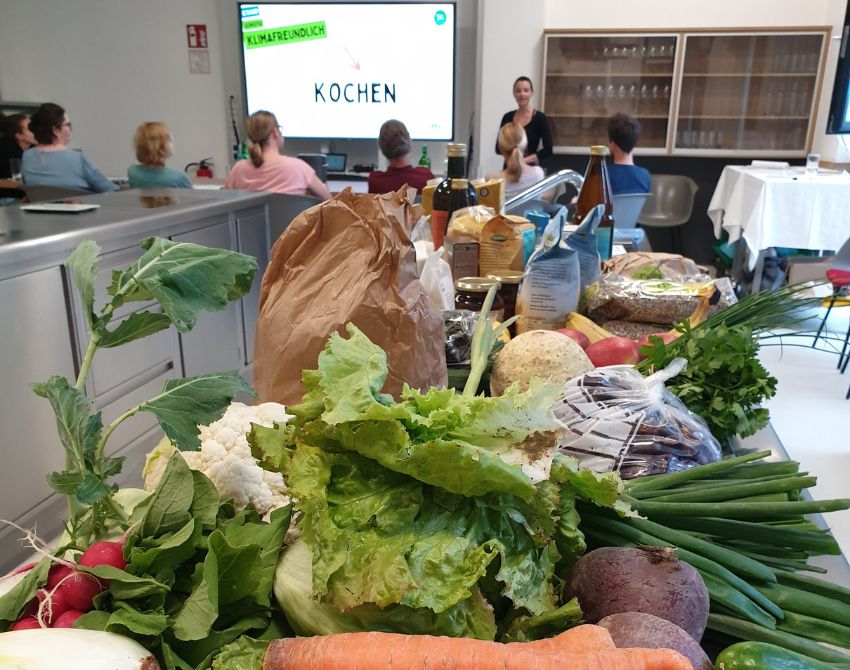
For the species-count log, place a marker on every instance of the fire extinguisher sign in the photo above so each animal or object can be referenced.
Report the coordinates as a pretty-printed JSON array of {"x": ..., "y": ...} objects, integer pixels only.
[{"x": 196, "y": 36}]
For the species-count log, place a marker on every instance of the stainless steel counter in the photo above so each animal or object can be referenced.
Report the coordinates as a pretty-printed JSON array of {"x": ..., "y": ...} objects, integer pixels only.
[
  {"x": 43, "y": 332},
  {"x": 33, "y": 241}
]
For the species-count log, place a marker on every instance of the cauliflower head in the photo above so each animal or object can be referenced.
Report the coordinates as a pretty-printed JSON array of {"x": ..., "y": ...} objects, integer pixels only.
[{"x": 225, "y": 457}]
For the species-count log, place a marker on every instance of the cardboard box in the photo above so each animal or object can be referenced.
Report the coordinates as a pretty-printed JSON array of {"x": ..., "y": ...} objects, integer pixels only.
[{"x": 807, "y": 268}]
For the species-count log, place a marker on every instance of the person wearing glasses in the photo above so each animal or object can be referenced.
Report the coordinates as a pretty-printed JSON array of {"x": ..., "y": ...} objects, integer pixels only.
[
  {"x": 267, "y": 169},
  {"x": 51, "y": 162}
]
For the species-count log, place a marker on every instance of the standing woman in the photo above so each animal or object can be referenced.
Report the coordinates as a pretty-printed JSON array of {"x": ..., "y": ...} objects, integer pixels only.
[
  {"x": 267, "y": 169},
  {"x": 51, "y": 162},
  {"x": 533, "y": 122}
]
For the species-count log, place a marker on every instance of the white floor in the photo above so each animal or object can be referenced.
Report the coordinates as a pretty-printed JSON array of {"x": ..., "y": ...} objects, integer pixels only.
[{"x": 811, "y": 415}]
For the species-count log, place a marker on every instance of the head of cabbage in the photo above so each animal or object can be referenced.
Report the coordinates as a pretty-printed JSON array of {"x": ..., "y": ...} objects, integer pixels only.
[{"x": 293, "y": 590}]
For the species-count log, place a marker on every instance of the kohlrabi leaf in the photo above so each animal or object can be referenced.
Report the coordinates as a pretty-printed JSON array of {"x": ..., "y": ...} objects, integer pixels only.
[
  {"x": 185, "y": 404},
  {"x": 79, "y": 431},
  {"x": 134, "y": 327},
  {"x": 82, "y": 263},
  {"x": 170, "y": 503},
  {"x": 185, "y": 279}
]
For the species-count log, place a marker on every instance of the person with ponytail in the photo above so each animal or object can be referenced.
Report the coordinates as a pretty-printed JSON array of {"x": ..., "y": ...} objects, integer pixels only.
[
  {"x": 518, "y": 174},
  {"x": 267, "y": 169}
]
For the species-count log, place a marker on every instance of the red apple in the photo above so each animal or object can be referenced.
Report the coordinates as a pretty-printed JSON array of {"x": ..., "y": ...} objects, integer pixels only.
[
  {"x": 579, "y": 337},
  {"x": 614, "y": 351}
]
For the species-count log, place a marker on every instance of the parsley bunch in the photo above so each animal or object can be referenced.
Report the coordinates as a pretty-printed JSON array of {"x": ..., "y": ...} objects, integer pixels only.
[{"x": 724, "y": 382}]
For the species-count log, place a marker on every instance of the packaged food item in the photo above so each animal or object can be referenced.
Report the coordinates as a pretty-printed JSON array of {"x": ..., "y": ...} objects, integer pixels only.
[
  {"x": 347, "y": 260},
  {"x": 470, "y": 293},
  {"x": 659, "y": 301},
  {"x": 583, "y": 241},
  {"x": 507, "y": 242},
  {"x": 466, "y": 223},
  {"x": 510, "y": 282},
  {"x": 491, "y": 193},
  {"x": 654, "y": 265},
  {"x": 435, "y": 276},
  {"x": 618, "y": 420},
  {"x": 633, "y": 329},
  {"x": 459, "y": 325},
  {"x": 550, "y": 284}
]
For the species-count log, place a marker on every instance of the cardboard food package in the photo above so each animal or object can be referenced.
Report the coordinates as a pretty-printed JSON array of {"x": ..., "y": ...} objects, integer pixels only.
[
  {"x": 349, "y": 259},
  {"x": 507, "y": 242}
]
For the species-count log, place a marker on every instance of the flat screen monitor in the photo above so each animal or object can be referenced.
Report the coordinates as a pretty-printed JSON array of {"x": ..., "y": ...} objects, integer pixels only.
[
  {"x": 339, "y": 70},
  {"x": 839, "y": 108}
]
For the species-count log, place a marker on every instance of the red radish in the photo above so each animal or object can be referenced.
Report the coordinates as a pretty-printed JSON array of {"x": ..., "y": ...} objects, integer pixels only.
[
  {"x": 614, "y": 351},
  {"x": 580, "y": 338},
  {"x": 67, "y": 619},
  {"x": 24, "y": 568},
  {"x": 52, "y": 605},
  {"x": 26, "y": 623},
  {"x": 104, "y": 553},
  {"x": 79, "y": 589},
  {"x": 57, "y": 574}
]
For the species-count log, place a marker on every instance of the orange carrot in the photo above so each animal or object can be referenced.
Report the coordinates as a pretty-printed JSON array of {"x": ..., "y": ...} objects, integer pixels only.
[
  {"x": 393, "y": 651},
  {"x": 587, "y": 637}
]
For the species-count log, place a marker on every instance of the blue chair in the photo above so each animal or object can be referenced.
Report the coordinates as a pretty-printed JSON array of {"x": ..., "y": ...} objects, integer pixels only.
[{"x": 627, "y": 209}]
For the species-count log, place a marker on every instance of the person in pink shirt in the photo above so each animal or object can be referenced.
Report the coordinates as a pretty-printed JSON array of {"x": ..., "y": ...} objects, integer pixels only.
[{"x": 267, "y": 169}]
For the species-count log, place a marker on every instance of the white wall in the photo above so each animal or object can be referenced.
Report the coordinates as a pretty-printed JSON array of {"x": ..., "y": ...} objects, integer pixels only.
[
  {"x": 113, "y": 64},
  {"x": 509, "y": 48}
]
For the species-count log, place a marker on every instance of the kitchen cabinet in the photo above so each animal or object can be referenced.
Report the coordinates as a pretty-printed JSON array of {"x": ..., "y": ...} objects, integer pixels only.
[
  {"x": 750, "y": 93},
  {"x": 46, "y": 334}
]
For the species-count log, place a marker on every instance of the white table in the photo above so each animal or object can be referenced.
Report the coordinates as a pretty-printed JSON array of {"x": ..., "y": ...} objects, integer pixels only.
[{"x": 781, "y": 207}]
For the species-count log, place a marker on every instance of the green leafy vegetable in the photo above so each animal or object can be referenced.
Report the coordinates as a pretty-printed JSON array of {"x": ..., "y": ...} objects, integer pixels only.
[
  {"x": 243, "y": 654},
  {"x": 184, "y": 279},
  {"x": 724, "y": 382},
  {"x": 412, "y": 508}
]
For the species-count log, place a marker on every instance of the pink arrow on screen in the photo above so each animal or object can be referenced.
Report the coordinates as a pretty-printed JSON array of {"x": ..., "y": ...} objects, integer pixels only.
[{"x": 356, "y": 65}]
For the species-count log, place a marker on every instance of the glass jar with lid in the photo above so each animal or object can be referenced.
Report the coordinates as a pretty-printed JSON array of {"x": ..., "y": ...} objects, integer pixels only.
[
  {"x": 508, "y": 291},
  {"x": 470, "y": 293}
]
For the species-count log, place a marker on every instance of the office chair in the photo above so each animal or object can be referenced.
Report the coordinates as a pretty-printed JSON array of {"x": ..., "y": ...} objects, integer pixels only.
[
  {"x": 838, "y": 275},
  {"x": 319, "y": 162},
  {"x": 671, "y": 205},
  {"x": 283, "y": 209},
  {"x": 627, "y": 208}
]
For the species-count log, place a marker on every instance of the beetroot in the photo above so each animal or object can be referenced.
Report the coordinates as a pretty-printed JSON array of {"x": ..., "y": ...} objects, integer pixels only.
[
  {"x": 613, "y": 580},
  {"x": 636, "y": 629}
]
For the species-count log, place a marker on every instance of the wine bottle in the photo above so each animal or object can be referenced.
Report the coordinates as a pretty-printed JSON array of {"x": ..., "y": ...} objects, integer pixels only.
[{"x": 441, "y": 208}]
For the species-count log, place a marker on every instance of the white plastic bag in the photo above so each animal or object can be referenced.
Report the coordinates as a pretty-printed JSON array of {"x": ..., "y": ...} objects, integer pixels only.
[{"x": 435, "y": 275}]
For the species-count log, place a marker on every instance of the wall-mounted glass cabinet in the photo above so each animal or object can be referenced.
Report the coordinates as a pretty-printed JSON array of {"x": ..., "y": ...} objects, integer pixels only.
[{"x": 695, "y": 93}]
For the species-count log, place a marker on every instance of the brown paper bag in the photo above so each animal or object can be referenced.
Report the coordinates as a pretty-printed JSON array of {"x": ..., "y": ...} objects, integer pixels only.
[{"x": 349, "y": 259}]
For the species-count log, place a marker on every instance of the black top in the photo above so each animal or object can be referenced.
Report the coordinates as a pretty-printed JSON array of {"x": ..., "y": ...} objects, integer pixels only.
[
  {"x": 8, "y": 149},
  {"x": 537, "y": 132}
]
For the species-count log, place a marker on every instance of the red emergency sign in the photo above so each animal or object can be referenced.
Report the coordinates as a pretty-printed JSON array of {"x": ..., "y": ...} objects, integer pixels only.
[{"x": 196, "y": 35}]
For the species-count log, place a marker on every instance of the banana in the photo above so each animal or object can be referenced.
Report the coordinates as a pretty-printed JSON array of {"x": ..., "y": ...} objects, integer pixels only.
[{"x": 584, "y": 325}]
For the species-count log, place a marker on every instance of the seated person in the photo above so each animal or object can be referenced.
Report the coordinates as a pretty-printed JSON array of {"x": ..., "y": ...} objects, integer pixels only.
[
  {"x": 623, "y": 175},
  {"x": 51, "y": 162},
  {"x": 17, "y": 138},
  {"x": 518, "y": 174},
  {"x": 394, "y": 143},
  {"x": 153, "y": 144},
  {"x": 267, "y": 169}
]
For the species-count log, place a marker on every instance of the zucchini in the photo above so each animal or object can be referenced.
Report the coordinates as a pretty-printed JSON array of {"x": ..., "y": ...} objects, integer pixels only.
[{"x": 764, "y": 656}]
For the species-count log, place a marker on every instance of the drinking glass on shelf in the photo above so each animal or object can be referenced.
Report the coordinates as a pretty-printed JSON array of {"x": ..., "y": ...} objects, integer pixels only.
[
  {"x": 652, "y": 51},
  {"x": 666, "y": 91},
  {"x": 621, "y": 92},
  {"x": 588, "y": 91},
  {"x": 644, "y": 91},
  {"x": 610, "y": 90},
  {"x": 615, "y": 52},
  {"x": 634, "y": 51},
  {"x": 600, "y": 92},
  {"x": 633, "y": 91},
  {"x": 662, "y": 51},
  {"x": 605, "y": 52},
  {"x": 655, "y": 91}
]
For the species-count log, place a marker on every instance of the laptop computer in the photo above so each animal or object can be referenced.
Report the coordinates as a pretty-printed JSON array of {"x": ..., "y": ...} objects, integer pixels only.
[{"x": 336, "y": 163}]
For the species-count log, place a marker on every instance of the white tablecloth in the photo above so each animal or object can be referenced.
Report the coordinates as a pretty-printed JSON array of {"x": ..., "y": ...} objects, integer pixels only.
[{"x": 781, "y": 208}]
